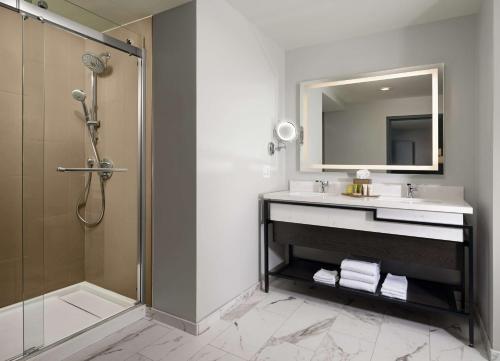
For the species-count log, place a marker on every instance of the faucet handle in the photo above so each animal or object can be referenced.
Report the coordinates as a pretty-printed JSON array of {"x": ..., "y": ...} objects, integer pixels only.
[
  {"x": 410, "y": 190},
  {"x": 323, "y": 184}
]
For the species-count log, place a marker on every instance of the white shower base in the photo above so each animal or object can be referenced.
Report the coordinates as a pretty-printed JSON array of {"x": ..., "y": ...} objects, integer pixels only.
[{"x": 65, "y": 312}]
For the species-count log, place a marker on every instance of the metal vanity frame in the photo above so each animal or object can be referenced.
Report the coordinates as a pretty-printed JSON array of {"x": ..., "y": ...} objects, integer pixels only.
[{"x": 302, "y": 270}]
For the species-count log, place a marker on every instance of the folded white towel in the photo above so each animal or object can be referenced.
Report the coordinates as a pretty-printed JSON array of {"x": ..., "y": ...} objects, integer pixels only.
[
  {"x": 367, "y": 268},
  {"x": 322, "y": 278},
  {"x": 399, "y": 295},
  {"x": 326, "y": 273},
  {"x": 327, "y": 282},
  {"x": 356, "y": 276},
  {"x": 326, "y": 276},
  {"x": 358, "y": 285},
  {"x": 395, "y": 284}
]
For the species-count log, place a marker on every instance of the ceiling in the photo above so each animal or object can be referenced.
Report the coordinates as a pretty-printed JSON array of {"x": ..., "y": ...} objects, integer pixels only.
[
  {"x": 291, "y": 23},
  {"x": 414, "y": 86},
  {"x": 125, "y": 11},
  {"x": 297, "y": 23},
  {"x": 104, "y": 15}
]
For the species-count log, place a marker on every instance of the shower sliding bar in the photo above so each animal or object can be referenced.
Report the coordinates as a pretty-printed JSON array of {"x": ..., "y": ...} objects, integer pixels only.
[{"x": 89, "y": 170}]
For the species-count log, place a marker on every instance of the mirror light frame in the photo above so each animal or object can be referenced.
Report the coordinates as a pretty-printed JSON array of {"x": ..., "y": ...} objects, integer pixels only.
[{"x": 433, "y": 70}]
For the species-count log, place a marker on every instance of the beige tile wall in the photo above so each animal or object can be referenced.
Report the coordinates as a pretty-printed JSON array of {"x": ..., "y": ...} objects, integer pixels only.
[
  {"x": 63, "y": 146},
  {"x": 33, "y": 159},
  {"x": 111, "y": 248},
  {"x": 140, "y": 32}
]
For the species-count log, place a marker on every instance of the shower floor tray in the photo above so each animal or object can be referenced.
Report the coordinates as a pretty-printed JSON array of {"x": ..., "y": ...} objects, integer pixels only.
[{"x": 65, "y": 312}]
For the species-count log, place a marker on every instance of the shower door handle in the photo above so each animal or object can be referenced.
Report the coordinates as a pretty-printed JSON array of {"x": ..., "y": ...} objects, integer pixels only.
[{"x": 89, "y": 170}]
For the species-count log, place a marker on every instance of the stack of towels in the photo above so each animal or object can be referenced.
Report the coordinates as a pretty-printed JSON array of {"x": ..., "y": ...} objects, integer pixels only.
[
  {"x": 327, "y": 277},
  {"x": 360, "y": 275},
  {"x": 395, "y": 287}
]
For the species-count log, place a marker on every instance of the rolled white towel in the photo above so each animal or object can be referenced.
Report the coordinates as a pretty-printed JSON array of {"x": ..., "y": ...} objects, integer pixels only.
[
  {"x": 356, "y": 276},
  {"x": 367, "y": 268},
  {"x": 395, "y": 284},
  {"x": 358, "y": 285}
]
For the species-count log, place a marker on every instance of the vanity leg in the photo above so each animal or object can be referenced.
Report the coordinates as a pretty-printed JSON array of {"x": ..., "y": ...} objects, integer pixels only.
[
  {"x": 471, "y": 330},
  {"x": 470, "y": 249},
  {"x": 266, "y": 246}
]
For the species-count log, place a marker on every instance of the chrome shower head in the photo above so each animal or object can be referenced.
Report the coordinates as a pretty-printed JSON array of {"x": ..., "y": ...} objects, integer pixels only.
[
  {"x": 96, "y": 63},
  {"x": 79, "y": 95}
]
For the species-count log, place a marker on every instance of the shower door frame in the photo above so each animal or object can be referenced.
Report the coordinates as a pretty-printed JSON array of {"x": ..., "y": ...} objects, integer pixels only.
[{"x": 45, "y": 16}]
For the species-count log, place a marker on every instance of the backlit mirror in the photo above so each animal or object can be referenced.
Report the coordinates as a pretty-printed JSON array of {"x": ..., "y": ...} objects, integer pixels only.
[{"x": 388, "y": 121}]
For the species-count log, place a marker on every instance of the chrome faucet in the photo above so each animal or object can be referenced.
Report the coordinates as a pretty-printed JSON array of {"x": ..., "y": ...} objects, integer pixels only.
[
  {"x": 410, "y": 190},
  {"x": 323, "y": 185}
]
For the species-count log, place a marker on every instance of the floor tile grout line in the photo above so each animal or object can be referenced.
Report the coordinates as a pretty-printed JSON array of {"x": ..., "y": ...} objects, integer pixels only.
[
  {"x": 187, "y": 333},
  {"x": 169, "y": 330},
  {"x": 228, "y": 352},
  {"x": 265, "y": 343},
  {"x": 341, "y": 333},
  {"x": 376, "y": 339},
  {"x": 304, "y": 301},
  {"x": 265, "y": 311},
  {"x": 430, "y": 353},
  {"x": 126, "y": 335}
]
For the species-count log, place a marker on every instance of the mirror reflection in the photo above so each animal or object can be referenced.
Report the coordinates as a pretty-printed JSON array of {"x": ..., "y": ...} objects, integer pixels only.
[{"x": 381, "y": 122}]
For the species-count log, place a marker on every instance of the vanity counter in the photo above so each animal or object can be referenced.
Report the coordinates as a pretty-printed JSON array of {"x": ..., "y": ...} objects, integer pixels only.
[
  {"x": 422, "y": 232},
  {"x": 416, "y": 204}
]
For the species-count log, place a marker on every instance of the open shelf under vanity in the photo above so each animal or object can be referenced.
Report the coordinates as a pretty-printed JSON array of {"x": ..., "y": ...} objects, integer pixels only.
[{"x": 421, "y": 293}]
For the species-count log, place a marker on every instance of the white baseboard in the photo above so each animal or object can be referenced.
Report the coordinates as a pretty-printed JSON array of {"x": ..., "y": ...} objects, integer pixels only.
[
  {"x": 73, "y": 344},
  {"x": 197, "y": 328},
  {"x": 493, "y": 355}
]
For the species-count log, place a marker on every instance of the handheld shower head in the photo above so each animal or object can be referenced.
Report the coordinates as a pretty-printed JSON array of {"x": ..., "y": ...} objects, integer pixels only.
[
  {"x": 80, "y": 96},
  {"x": 96, "y": 63}
]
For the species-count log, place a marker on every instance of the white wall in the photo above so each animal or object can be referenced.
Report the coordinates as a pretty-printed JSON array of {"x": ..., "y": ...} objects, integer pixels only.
[
  {"x": 240, "y": 87},
  {"x": 452, "y": 42},
  {"x": 496, "y": 176},
  {"x": 484, "y": 165}
]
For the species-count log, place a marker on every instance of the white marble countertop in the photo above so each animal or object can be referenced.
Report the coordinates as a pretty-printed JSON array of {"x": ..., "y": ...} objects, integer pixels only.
[{"x": 417, "y": 204}]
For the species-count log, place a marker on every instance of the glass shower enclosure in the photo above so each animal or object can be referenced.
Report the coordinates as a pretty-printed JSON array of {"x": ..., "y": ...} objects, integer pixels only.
[{"x": 72, "y": 191}]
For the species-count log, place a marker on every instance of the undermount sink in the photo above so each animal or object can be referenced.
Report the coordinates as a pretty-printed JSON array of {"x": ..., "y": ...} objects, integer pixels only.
[
  {"x": 307, "y": 194},
  {"x": 413, "y": 200}
]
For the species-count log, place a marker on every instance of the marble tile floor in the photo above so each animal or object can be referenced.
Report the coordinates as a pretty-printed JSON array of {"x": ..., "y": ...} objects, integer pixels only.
[{"x": 294, "y": 322}]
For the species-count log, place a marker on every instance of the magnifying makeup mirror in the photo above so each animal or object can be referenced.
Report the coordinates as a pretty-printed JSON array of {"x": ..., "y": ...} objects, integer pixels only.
[{"x": 284, "y": 132}]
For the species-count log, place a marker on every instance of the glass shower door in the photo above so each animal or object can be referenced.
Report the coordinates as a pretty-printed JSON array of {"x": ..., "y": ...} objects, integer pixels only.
[
  {"x": 33, "y": 181},
  {"x": 80, "y": 224},
  {"x": 11, "y": 195},
  {"x": 69, "y": 241}
]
